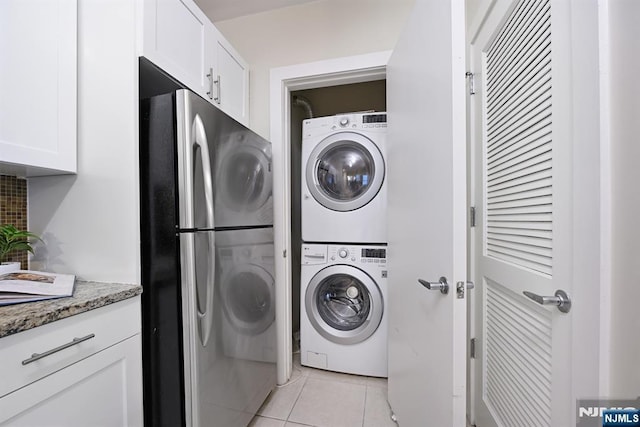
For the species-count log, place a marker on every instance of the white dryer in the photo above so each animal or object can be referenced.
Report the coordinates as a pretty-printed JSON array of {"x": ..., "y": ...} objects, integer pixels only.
[
  {"x": 343, "y": 320},
  {"x": 344, "y": 196},
  {"x": 246, "y": 293}
]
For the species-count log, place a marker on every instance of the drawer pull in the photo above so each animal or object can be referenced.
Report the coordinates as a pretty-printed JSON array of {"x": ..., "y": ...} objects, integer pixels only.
[{"x": 38, "y": 356}]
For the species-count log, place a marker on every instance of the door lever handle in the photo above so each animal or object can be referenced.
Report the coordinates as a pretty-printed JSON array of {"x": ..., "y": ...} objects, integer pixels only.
[
  {"x": 441, "y": 285},
  {"x": 560, "y": 299},
  {"x": 461, "y": 286}
]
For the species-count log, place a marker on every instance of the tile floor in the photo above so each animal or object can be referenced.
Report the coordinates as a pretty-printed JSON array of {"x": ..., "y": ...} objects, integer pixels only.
[{"x": 318, "y": 398}]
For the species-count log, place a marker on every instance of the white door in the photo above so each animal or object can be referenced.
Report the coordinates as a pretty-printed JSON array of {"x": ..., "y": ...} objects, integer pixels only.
[
  {"x": 427, "y": 217},
  {"x": 521, "y": 140}
]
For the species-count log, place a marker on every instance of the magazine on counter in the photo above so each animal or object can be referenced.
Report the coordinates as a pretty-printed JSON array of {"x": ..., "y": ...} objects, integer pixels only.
[{"x": 26, "y": 286}]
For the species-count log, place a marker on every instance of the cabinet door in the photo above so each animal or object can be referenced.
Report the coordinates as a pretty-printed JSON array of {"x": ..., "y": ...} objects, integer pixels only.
[
  {"x": 174, "y": 39},
  {"x": 231, "y": 92},
  {"x": 104, "y": 389},
  {"x": 233, "y": 82},
  {"x": 38, "y": 62}
]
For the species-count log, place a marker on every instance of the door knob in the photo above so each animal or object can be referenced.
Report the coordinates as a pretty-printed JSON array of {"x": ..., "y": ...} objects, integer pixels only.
[
  {"x": 441, "y": 285},
  {"x": 560, "y": 299}
]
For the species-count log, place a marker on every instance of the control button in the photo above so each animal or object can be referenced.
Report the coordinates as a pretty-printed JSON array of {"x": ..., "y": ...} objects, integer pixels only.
[
  {"x": 353, "y": 258},
  {"x": 376, "y": 261},
  {"x": 344, "y": 121},
  {"x": 343, "y": 253},
  {"x": 383, "y": 261},
  {"x": 333, "y": 127},
  {"x": 354, "y": 125},
  {"x": 333, "y": 258}
]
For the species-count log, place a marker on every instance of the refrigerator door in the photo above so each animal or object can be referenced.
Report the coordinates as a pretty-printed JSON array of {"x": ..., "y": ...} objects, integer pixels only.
[
  {"x": 198, "y": 287},
  {"x": 230, "y": 374},
  {"x": 239, "y": 161}
]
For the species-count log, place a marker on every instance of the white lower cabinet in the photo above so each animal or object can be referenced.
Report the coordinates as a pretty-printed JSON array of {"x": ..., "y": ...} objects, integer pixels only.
[{"x": 95, "y": 382}]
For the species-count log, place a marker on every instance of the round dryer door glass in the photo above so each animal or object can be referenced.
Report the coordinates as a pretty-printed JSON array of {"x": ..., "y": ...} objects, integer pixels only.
[
  {"x": 345, "y": 171},
  {"x": 246, "y": 179},
  {"x": 344, "y": 304},
  {"x": 249, "y": 299}
]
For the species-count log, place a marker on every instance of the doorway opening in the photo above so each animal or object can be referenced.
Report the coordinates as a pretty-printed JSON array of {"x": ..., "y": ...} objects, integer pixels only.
[{"x": 334, "y": 86}]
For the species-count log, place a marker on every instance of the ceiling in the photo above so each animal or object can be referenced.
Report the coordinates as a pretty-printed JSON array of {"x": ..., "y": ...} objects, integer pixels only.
[{"x": 219, "y": 10}]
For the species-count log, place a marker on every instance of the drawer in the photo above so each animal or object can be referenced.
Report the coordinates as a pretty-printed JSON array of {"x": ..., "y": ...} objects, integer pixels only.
[{"x": 101, "y": 328}]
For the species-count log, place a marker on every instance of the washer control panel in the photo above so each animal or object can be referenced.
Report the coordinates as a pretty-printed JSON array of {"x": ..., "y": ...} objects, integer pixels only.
[
  {"x": 357, "y": 254},
  {"x": 373, "y": 256}
]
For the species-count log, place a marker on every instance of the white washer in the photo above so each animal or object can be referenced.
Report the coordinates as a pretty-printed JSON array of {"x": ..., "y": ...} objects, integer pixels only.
[
  {"x": 343, "y": 320},
  {"x": 246, "y": 291},
  {"x": 344, "y": 195}
]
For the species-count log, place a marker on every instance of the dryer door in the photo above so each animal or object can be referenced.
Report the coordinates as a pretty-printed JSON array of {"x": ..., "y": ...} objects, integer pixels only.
[
  {"x": 345, "y": 171},
  {"x": 344, "y": 304}
]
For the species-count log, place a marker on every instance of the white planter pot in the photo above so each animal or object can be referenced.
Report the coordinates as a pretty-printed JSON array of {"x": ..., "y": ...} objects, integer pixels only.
[{"x": 8, "y": 267}]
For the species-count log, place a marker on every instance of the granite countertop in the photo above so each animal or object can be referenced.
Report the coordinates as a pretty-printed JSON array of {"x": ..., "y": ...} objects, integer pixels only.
[{"x": 86, "y": 296}]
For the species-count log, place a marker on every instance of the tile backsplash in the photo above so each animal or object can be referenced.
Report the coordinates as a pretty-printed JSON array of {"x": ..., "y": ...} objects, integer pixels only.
[{"x": 13, "y": 210}]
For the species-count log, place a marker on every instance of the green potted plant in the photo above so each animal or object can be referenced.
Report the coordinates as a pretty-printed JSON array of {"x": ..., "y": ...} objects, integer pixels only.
[{"x": 12, "y": 239}]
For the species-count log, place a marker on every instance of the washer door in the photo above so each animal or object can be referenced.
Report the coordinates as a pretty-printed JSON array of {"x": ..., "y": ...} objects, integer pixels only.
[
  {"x": 248, "y": 299},
  {"x": 345, "y": 171},
  {"x": 245, "y": 178},
  {"x": 344, "y": 304}
]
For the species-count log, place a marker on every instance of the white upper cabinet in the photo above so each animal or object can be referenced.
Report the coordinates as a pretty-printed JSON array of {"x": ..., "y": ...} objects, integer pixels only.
[
  {"x": 174, "y": 40},
  {"x": 231, "y": 90},
  {"x": 180, "y": 39},
  {"x": 38, "y": 80}
]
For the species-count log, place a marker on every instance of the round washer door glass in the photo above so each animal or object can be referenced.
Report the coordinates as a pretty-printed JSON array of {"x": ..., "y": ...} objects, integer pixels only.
[
  {"x": 345, "y": 171},
  {"x": 249, "y": 299},
  {"x": 246, "y": 178},
  {"x": 344, "y": 304}
]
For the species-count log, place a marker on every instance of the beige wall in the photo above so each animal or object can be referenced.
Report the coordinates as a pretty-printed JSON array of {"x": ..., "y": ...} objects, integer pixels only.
[
  {"x": 625, "y": 128},
  {"x": 311, "y": 32}
]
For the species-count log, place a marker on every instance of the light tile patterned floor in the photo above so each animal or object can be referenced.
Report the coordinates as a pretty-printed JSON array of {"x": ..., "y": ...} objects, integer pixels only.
[{"x": 318, "y": 398}]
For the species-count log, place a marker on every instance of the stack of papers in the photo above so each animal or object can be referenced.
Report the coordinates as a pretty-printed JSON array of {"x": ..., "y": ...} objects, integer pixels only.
[{"x": 26, "y": 286}]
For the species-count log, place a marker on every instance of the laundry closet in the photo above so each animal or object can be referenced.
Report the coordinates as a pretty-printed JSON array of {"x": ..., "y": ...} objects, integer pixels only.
[{"x": 368, "y": 98}]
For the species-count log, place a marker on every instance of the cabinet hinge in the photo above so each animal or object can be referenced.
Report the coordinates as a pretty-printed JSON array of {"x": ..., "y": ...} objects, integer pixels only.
[
  {"x": 471, "y": 81},
  {"x": 472, "y": 348},
  {"x": 284, "y": 253},
  {"x": 472, "y": 216}
]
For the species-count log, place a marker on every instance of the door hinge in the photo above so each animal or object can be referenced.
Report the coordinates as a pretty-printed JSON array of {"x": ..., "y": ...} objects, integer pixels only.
[
  {"x": 284, "y": 253},
  {"x": 470, "y": 78},
  {"x": 472, "y": 216},
  {"x": 472, "y": 348}
]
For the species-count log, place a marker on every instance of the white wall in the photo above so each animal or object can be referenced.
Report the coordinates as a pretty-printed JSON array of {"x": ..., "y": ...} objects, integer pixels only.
[
  {"x": 625, "y": 128},
  {"x": 311, "y": 32},
  {"x": 90, "y": 220}
]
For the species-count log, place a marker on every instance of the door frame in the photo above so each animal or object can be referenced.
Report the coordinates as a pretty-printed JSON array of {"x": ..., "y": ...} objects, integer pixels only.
[
  {"x": 590, "y": 207},
  {"x": 283, "y": 81}
]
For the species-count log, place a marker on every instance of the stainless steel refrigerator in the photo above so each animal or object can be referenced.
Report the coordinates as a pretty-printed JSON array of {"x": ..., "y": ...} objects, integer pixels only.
[{"x": 206, "y": 218}]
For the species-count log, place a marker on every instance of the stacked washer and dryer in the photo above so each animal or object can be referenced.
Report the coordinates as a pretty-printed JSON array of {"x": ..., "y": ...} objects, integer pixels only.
[{"x": 343, "y": 319}]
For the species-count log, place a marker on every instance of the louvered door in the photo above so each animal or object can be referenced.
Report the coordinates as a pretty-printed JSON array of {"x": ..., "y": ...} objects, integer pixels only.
[{"x": 520, "y": 196}]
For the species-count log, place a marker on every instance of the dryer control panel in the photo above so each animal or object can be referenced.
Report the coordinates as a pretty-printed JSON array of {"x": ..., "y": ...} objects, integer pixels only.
[{"x": 372, "y": 121}]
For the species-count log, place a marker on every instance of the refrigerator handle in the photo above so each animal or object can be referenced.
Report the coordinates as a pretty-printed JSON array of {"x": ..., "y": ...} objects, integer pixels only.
[{"x": 200, "y": 141}]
